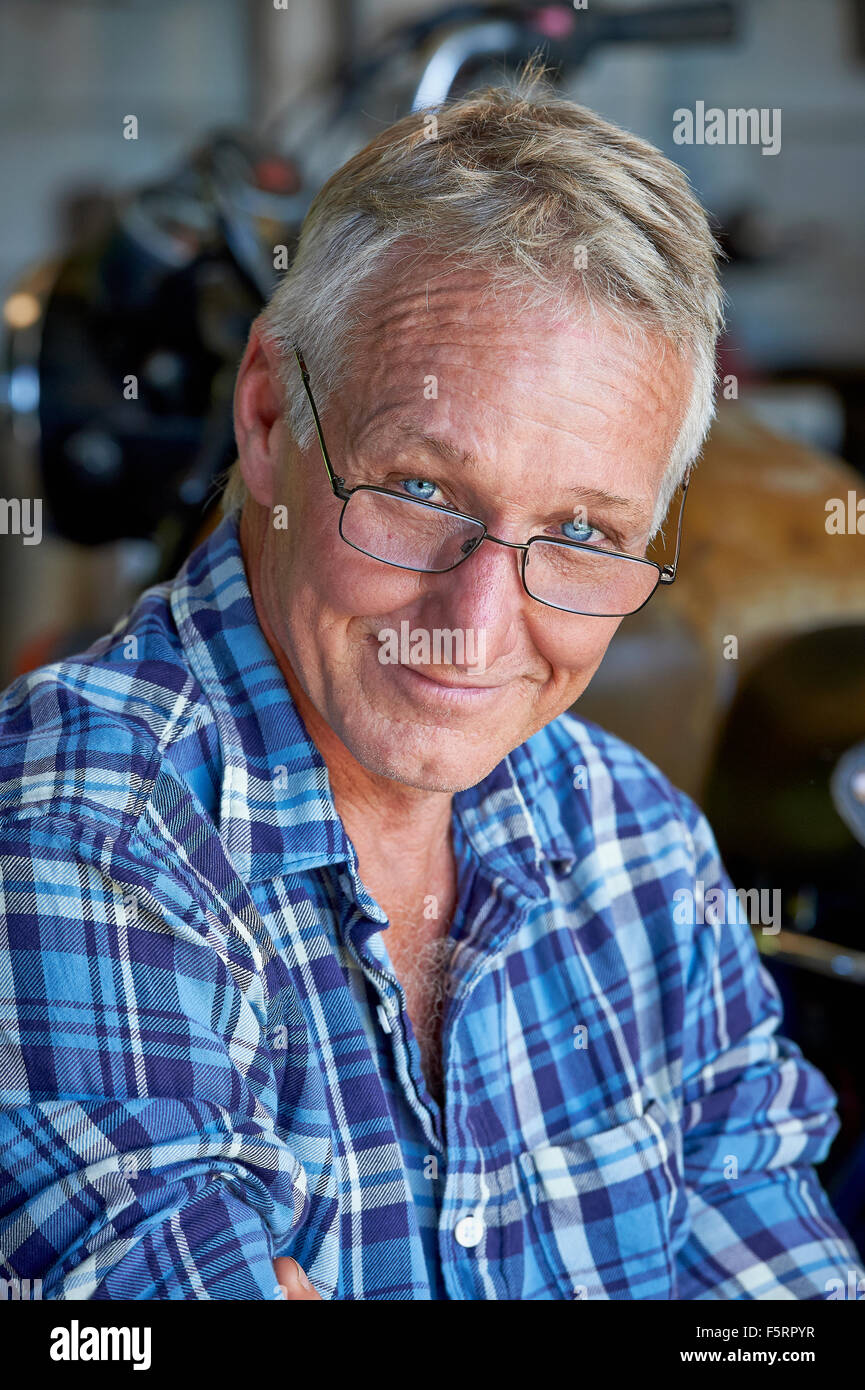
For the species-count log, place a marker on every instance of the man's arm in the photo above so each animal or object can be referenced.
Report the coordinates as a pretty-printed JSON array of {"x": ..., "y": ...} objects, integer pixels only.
[
  {"x": 139, "y": 1151},
  {"x": 756, "y": 1117}
]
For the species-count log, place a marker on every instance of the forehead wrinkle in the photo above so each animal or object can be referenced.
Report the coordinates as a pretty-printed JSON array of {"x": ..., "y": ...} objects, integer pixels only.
[
  {"x": 638, "y": 388},
  {"x": 449, "y": 451},
  {"x": 531, "y": 419},
  {"x": 632, "y": 509},
  {"x": 460, "y": 291},
  {"x": 597, "y": 366},
  {"x": 373, "y": 418},
  {"x": 588, "y": 379},
  {"x": 592, "y": 377},
  {"x": 605, "y": 413},
  {"x": 414, "y": 329}
]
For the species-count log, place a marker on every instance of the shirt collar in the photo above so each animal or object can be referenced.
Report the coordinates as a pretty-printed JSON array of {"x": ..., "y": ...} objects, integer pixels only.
[{"x": 277, "y": 813}]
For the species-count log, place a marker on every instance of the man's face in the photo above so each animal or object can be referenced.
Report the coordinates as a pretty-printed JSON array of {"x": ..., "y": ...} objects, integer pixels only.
[{"x": 555, "y": 419}]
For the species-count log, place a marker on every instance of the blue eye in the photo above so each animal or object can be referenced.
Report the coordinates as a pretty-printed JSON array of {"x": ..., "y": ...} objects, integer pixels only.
[
  {"x": 411, "y": 483},
  {"x": 577, "y": 531}
]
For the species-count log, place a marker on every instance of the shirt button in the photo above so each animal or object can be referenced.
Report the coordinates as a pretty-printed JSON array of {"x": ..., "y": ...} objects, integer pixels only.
[
  {"x": 469, "y": 1231},
  {"x": 384, "y": 1018}
]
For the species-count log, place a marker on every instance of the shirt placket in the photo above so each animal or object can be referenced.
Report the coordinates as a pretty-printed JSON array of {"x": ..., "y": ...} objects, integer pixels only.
[
  {"x": 463, "y": 1218},
  {"x": 365, "y": 942},
  {"x": 465, "y": 1193}
]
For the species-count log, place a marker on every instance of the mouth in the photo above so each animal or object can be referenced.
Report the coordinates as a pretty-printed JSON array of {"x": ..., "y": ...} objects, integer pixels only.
[{"x": 444, "y": 691}]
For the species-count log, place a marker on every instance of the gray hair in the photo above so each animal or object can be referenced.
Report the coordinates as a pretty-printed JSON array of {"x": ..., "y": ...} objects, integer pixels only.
[{"x": 561, "y": 208}]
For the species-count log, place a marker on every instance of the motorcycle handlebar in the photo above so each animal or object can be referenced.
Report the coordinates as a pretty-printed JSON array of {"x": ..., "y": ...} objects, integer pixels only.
[{"x": 569, "y": 34}]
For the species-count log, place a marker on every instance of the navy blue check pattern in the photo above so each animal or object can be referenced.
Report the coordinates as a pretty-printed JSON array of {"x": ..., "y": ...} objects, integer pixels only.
[{"x": 205, "y": 1056}]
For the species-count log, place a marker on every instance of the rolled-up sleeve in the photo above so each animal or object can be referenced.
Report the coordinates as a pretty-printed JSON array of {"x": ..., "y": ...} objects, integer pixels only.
[{"x": 756, "y": 1117}]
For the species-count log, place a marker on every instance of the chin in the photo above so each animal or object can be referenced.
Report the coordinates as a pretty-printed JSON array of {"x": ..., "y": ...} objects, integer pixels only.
[{"x": 443, "y": 765}]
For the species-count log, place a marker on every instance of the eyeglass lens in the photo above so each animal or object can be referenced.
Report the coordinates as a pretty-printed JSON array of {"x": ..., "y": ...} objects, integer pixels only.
[{"x": 406, "y": 533}]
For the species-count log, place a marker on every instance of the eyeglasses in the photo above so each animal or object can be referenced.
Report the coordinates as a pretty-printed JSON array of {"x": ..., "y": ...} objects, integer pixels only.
[{"x": 411, "y": 534}]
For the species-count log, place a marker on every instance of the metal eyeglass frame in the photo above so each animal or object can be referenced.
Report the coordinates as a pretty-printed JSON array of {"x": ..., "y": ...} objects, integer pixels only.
[{"x": 666, "y": 573}]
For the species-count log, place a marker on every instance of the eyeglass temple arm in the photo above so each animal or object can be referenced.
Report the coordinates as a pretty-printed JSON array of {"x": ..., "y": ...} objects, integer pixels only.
[
  {"x": 337, "y": 483},
  {"x": 668, "y": 572}
]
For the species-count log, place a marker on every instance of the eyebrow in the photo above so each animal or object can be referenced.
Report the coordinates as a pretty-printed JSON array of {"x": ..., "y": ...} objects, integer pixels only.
[
  {"x": 445, "y": 450},
  {"x": 593, "y": 496}
]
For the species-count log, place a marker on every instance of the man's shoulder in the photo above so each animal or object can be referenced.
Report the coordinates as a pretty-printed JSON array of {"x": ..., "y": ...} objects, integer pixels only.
[
  {"x": 592, "y": 749},
  {"x": 600, "y": 787},
  {"x": 83, "y": 741}
]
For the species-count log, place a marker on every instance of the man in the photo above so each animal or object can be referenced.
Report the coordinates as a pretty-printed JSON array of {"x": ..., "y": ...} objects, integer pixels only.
[{"x": 341, "y": 962}]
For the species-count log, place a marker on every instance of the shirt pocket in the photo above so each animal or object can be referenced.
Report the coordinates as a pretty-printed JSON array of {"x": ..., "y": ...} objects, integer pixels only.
[{"x": 603, "y": 1209}]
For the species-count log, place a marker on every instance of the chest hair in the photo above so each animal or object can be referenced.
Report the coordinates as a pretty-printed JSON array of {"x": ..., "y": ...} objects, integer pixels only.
[{"x": 421, "y": 953}]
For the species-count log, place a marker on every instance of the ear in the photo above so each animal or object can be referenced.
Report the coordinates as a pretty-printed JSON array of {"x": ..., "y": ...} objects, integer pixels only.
[{"x": 258, "y": 416}]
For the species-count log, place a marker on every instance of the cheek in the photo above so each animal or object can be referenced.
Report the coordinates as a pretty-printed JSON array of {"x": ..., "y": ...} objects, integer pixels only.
[
  {"x": 326, "y": 574},
  {"x": 573, "y": 645}
]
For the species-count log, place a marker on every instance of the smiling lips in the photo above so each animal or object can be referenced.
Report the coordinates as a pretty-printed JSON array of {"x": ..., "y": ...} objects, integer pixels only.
[
  {"x": 452, "y": 685},
  {"x": 450, "y": 692}
]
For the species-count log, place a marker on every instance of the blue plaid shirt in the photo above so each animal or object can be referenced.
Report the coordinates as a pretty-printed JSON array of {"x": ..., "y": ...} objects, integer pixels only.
[{"x": 205, "y": 1055}]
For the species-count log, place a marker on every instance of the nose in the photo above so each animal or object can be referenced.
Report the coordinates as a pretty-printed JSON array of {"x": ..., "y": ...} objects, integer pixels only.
[{"x": 484, "y": 593}]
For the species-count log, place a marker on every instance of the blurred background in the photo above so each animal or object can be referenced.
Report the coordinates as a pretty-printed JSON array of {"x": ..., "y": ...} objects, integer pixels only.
[{"x": 157, "y": 162}]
